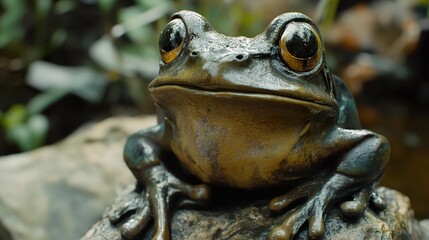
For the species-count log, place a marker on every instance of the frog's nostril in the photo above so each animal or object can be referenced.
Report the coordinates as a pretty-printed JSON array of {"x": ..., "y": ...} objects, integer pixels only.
[
  {"x": 194, "y": 53},
  {"x": 235, "y": 57},
  {"x": 239, "y": 57}
]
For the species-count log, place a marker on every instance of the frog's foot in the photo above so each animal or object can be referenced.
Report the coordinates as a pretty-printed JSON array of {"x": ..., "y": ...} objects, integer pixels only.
[
  {"x": 356, "y": 207},
  {"x": 154, "y": 202},
  {"x": 131, "y": 213},
  {"x": 320, "y": 196}
]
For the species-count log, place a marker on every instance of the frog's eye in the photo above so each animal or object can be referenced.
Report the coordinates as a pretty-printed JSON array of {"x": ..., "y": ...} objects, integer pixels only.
[
  {"x": 300, "y": 46},
  {"x": 171, "y": 40}
]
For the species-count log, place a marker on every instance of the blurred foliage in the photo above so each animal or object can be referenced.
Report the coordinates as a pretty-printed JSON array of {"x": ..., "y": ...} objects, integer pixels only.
[{"x": 67, "y": 47}]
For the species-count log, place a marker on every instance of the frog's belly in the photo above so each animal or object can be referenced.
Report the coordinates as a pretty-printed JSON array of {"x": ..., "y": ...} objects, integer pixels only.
[{"x": 238, "y": 140}]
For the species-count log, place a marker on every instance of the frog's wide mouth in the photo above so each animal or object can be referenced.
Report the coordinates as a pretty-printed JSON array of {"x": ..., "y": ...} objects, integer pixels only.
[{"x": 247, "y": 93}]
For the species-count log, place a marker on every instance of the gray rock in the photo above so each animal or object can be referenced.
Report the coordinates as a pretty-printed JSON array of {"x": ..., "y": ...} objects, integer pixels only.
[
  {"x": 253, "y": 221},
  {"x": 58, "y": 191}
]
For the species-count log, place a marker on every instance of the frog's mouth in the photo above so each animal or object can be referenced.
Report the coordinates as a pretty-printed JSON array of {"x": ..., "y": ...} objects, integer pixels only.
[{"x": 243, "y": 93}]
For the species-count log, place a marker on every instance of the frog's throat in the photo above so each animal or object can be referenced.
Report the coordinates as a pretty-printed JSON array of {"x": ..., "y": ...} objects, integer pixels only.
[{"x": 230, "y": 93}]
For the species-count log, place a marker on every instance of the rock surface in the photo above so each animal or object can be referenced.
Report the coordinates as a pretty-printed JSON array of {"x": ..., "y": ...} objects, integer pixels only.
[
  {"x": 254, "y": 221},
  {"x": 58, "y": 192}
]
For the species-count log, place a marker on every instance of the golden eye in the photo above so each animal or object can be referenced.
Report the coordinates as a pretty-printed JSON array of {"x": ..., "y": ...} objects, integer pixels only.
[
  {"x": 300, "y": 46},
  {"x": 171, "y": 40}
]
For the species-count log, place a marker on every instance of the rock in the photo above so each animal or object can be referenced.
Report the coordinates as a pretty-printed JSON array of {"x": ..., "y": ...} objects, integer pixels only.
[
  {"x": 57, "y": 192},
  {"x": 424, "y": 224},
  {"x": 254, "y": 221}
]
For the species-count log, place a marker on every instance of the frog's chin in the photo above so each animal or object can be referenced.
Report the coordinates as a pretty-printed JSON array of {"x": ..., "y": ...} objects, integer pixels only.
[
  {"x": 244, "y": 140},
  {"x": 234, "y": 93}
]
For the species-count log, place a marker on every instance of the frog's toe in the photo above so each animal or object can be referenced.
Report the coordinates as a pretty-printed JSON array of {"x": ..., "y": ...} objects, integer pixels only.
[
  {"x": 289, "y": 227},
  {"x": 124, "y": 206},
  {"x": 306, "y": 189},
  {"x": 316, "y": 224},
  {"x": 280, "y": 233},
  {"x": 311, "y": 211},
  {"x": 160, "y": 198},
  {"x": 131, "y": 214},
  {"x": 281, "y": 202},
  {"x": 196, "y": 193},
  {"x": 356, "y": 207},
  {"x": 195, "y": 196},
  {"x": 136, "y": 223},
  {"x": 353, "y": 209}
]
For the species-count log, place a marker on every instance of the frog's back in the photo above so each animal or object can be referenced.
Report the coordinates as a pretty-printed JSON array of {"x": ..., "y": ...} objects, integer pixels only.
[{"x": 348, "y": 115}]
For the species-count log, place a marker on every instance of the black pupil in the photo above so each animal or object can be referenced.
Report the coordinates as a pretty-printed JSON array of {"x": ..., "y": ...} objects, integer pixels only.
[
  {"x": 172, "y": 35},
  {"x": 301, "y": 41}
]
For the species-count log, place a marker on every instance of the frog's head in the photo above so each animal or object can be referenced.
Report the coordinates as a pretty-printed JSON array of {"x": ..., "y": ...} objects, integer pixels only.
[
  {"x": 243, "y": 102},
  {"x": 286, "y": 60}
]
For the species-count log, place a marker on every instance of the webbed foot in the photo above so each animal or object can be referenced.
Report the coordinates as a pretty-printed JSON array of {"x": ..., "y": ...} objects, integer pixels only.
[
  {"x": 155, "y": 201},
  {"x": 320, "y": 196}
]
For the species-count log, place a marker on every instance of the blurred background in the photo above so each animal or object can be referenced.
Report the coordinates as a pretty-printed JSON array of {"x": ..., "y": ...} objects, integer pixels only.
[{"x": 64, "y": 63}]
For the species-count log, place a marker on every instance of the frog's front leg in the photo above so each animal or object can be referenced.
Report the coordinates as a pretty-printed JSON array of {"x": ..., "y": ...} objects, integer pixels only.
[
  {"x": 362, "y": 157},
  {"x": 145, "y": 154}
]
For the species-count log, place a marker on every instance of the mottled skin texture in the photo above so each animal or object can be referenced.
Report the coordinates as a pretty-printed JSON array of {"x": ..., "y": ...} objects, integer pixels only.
[{"x": 235, "y": 112}]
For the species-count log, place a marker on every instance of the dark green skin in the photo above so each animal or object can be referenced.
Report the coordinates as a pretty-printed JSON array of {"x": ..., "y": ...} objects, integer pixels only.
[{"x": 333, "y": 158}]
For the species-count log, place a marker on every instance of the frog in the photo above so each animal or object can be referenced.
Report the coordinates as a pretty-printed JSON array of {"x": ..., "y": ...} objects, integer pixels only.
[{"x": 254, "y": 114}]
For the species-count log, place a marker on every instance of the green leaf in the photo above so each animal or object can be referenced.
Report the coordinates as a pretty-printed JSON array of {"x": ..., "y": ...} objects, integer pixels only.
[
  {"x": 40, "y": 102},
  {"x": 43, "y": 7},
  {"x": 64, "y": 6},
  {"x": 325, "y": 14},
  {"x": 30, "y": 134},
  {"x": 106, "y": 5},
  {"x": 38, "y": 125},
  {"x": 126, "y": 16},
  {"x": 81, "y": 81},
  {"x": 23, "y": 129},
  {"x": 146, "y": 4},
  {"x": 58, "y": 38},
  {"x": 16, "y": 115},
  {"x": 134, "y": 18},
  {"x": 10, "y": 21},
  {"x": 108, "y": 57},
  {"x": 19, "y": 135}
]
